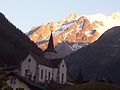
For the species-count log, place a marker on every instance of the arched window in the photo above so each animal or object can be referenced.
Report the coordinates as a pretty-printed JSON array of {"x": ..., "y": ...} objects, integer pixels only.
[
  {"x": 41, "y": 74},
  {"x": 29, "y": 60},
  {"x": 34, "y": 78},
  {"x": 49, "y": 76},
  {"x": 45, "y": 74},
  {"x": 62, "y": 77}
]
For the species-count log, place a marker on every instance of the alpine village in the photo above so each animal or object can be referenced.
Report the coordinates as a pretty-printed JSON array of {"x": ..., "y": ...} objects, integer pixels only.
[{"x": 66, "y": 55}]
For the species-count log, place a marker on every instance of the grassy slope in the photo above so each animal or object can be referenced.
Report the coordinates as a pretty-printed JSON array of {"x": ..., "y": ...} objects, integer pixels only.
[{"x": 93, "y": 86}]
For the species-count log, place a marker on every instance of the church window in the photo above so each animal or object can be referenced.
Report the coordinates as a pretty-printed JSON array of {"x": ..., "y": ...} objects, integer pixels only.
[
  {"x": 34, "y": 77},
  {"x": 49, "y": 76},
  {"x": 62, "y": 65},
  {"x": 62, "y": 77},
  {"x": 29, "y": 60},
  {"x": 41, "y": 74},
  {"x": 45, "y": 74}
]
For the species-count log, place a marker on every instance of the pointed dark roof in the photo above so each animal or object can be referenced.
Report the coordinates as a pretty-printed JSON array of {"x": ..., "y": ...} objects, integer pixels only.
[{"x": 50, "y": 47}]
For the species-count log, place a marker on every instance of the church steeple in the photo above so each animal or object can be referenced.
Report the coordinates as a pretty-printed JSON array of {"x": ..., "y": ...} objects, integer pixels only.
[{"x": 50, "y": 47}]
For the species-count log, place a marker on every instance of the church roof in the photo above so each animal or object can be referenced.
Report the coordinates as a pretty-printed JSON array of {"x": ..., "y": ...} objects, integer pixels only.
[
  {"x": 50, "y": 47},
  {"x": 53, "y": 63}
]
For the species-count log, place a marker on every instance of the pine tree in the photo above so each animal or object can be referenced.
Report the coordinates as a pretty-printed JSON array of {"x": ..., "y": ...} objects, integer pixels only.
[
  {"x": 3, "y": 84},
  {"x": 2, "y": 80},
  {"x": 79, "y": 78}
]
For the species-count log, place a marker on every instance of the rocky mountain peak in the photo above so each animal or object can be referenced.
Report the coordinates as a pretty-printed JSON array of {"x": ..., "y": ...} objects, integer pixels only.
[{"x": 74, "y": 31}]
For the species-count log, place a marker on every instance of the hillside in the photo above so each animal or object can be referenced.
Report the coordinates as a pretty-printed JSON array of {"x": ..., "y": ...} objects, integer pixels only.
[
  {"x": 93, "y": 86},
  {"x": 14, "y": 45},
  {"x": 100, "y": 59}
]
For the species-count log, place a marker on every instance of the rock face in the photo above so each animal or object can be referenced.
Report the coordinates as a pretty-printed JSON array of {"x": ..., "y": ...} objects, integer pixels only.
[{"x": 72, "y": 32}]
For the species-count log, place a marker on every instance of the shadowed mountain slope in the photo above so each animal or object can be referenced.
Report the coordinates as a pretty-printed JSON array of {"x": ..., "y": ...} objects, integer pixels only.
[
  {"x": 100, "y": 59},
  {"x": 14, "y": 45}
]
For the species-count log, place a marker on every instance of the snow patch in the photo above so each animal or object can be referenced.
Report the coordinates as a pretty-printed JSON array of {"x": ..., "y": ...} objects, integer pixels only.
[
  {"x": 108, "y": 21},
  {"x": 82, "y": 24},
  {"x": 64, "y": 27}
]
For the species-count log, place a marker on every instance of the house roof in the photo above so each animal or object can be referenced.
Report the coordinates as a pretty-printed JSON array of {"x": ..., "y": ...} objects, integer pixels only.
[
  {"x": 53, "y": 63},
  {"x": 30, "y": 83},
  {"x": 50, "y": 47},
  {"x": 9, "y": 68}
]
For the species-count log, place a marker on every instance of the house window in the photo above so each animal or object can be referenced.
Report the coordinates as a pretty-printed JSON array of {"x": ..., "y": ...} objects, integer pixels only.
[
  {"x": 62, "y": 77},
  {"x": 19, "y": 88},
  {"x": 41, "y": 74},
  {"x": 13, "y": 80}
]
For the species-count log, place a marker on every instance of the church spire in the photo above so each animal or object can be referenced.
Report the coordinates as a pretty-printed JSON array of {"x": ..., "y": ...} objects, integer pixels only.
[{"x": 50, "y": 47}]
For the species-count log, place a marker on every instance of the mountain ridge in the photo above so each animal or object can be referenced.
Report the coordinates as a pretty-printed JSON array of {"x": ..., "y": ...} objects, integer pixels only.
[
  {"x": 73, "y": 31},
  {"x": 14, "y": 43},
  {"x": 99, "y": 59}
]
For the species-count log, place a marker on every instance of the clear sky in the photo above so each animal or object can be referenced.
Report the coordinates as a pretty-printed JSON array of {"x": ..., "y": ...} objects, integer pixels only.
[{"x": 26, "y": 13}]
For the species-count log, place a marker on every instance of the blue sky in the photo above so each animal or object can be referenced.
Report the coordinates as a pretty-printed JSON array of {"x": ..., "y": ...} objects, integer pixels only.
[{"x": 26, "y": 13}]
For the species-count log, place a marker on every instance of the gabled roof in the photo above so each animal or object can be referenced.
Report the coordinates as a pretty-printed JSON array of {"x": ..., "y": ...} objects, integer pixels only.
[
  {"x": 30, "y": 83},
  {"x": 53, "y": 63},
  {"x": 37, "y": 57},
  {"x": 50, "y": 47}
]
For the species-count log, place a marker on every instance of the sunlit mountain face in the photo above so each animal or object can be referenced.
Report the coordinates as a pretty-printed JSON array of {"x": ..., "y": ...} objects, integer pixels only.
[{"x": 74, "y": 31}]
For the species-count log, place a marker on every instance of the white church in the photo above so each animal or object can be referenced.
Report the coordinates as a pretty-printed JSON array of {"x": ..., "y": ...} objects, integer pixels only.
[{"x": 45, "y": 69}]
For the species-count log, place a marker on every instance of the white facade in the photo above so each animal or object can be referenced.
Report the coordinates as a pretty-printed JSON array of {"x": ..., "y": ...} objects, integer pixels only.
[
  {"x": 15, "y": 83},
  {"x": 62, "y": 72},
  {"x": 45, "y": 73},
  {"x": 29, "y": 64}
]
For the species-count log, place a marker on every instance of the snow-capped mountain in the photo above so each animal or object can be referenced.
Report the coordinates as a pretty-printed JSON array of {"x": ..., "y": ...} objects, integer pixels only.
[
  {"x": 73, "y": 32},
  {"x": 106, "y": 21}
]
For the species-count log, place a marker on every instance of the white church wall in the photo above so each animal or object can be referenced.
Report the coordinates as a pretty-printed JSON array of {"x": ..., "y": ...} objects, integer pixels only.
[
  {"x": 62, "y": 72},
  {"x": 55, "y": 74},
  {"x": 29, "y": 63},
  {"x": 45, "y": 73}
]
